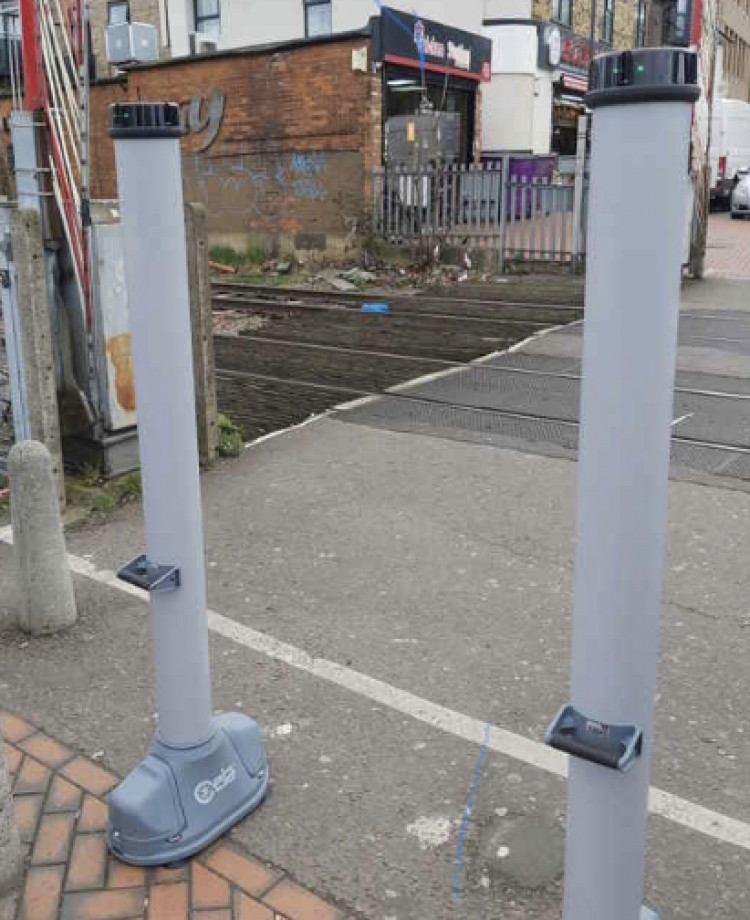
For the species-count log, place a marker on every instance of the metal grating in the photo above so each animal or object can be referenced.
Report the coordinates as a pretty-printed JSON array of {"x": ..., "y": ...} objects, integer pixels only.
[{"x": 500, "y": 430}]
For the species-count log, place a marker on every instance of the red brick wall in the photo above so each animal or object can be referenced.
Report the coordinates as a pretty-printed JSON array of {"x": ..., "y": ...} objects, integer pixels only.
[{"x": 290, "y": 160}]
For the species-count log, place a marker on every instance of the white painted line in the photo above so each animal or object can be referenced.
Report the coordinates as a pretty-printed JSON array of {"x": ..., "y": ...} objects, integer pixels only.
[
  {"x": 449, "y": 372},
  {"x": 525, "y": 750},
  {"x": 275, "y": 434},
  {"x": 682, "y": 418}
]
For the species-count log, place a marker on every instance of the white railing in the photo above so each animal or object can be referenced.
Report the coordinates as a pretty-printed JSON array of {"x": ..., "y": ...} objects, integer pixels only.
[
  {"x": 64, "y": 48},
  {"x": 480, "y": 207}
]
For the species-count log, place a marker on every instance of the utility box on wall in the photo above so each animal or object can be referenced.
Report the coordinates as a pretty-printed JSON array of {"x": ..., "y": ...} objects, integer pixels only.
[
  {"x": 131, "y": 43},
  {"x": 113, "y": 358}
]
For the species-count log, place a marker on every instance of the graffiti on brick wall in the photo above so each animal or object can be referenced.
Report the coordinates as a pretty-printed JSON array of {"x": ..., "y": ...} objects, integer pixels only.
[{"x": 247, "y": 182}]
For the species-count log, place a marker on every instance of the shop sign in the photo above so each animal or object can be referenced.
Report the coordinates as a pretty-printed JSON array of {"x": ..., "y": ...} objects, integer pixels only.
[
  {"x": 563, "y": 49},
  {"x": 203, "y": 117},
  {"x": 399, "y": 37}
]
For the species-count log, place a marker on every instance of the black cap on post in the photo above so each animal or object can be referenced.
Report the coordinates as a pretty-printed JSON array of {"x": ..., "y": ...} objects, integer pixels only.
[
  {"x": 130, "y": 120},
  {"x": 643, "y": 75}
]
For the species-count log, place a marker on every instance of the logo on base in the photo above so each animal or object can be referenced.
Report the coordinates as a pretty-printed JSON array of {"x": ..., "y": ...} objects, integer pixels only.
[{"x": 205, "y": 792}]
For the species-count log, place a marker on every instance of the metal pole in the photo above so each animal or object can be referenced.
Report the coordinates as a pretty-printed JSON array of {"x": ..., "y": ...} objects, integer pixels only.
[
  {"x": 217, "y": 765},
  {"x": 580, "y": 174},
  {"x": 592, "y": 32},
  {"x": 642, "y": 102}
]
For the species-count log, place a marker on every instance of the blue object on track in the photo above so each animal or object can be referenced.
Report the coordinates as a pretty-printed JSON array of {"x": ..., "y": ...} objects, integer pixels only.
[{"x": 375, "y": 308}]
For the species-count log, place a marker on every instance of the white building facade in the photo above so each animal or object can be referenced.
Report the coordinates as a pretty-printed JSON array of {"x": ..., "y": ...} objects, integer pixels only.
[
  {"x": 239, "y": 23},
  {"x": 534, "y": 64}
]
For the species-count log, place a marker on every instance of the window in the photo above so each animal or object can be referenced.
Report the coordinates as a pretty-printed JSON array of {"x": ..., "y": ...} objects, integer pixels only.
[
  {"x": 118, "y": 12},
  {"x": 207, "y": 17},
  {"x": 562, "y": 11},
  {"x": 608, "y": 21},
  {"x": 640, "y": 24},
  {"x": 317, "y": 18}
]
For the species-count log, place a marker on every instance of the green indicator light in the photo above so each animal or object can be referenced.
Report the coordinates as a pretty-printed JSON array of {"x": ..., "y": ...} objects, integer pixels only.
[
  {"x": 615, "y": 70},
  {"x": 640, "y": 68}
]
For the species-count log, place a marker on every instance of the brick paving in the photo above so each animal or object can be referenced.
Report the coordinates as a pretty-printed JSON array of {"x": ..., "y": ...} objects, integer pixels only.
[
  {"x": 728, "y": 252},
  {"x": 70, "y": 874}
]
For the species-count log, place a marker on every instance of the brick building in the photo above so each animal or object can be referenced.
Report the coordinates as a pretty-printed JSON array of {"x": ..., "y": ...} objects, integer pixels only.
[
  {"x": 734, "y": 69},
  {"x": 282, "y": 139},
  {"x": 279, "y": 141}
]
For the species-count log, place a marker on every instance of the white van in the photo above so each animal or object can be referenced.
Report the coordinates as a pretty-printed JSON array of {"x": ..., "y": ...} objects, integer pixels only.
[{"x": 730, "y": 148}]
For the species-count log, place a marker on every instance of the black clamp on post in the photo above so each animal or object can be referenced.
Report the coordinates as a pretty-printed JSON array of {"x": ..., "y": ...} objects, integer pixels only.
[
  {"x": 149, "y": 576},
  {"x": 613, "y": 746}
]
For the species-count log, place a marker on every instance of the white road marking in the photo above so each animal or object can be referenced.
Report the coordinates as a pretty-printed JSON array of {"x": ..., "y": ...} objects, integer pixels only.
[
  {"x": 664, "y": 804},
  {"x": 682, "y": 418}
]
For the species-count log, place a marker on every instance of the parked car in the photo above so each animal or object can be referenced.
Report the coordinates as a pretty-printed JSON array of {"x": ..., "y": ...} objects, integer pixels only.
[{"x": 741, "y": 195}]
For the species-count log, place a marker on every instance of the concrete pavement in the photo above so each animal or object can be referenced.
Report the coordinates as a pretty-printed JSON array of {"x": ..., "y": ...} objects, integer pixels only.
[
  {"x": 442, "y": 569},
  {"x": 379, "y": 597}
]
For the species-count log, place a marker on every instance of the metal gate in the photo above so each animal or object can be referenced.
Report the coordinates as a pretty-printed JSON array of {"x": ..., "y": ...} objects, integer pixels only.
[{"x": 483, "y": 207}]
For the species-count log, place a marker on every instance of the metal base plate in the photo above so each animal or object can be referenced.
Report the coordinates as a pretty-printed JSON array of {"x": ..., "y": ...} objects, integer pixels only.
[{"x": 178, "y": 801}]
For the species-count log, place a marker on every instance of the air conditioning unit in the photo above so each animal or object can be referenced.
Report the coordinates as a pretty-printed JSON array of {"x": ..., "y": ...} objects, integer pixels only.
[
  {"x": 132, "y": 43},
  {"x": 202, "y": 44}
]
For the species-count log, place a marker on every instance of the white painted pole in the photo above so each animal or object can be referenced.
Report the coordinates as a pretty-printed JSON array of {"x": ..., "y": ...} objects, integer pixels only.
[
  {"x": 579, "y": 180},
  {"x": 639, "y": 193},
  {"x": 149, "y": 178}
]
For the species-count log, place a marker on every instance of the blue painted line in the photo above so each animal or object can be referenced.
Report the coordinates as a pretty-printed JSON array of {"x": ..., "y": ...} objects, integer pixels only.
[
  {"x": 416, "y": 35},
  {"x": 467, "y": 813}
]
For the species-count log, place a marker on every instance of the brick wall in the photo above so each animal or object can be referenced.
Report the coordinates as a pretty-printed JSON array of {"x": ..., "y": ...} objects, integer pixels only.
[
  {"x": 288, "y": 166},
  {"x": 624, "y": 28}
]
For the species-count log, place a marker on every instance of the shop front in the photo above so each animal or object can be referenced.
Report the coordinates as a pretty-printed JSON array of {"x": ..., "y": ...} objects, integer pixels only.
[
  {"x": 568, "y": 56},
  {"x": 431, "y": 77}
]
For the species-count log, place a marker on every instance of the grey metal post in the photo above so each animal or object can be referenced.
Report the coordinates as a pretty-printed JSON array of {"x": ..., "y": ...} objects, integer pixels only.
[
  {"x": 580, "y": 178},
  {"x": 202, "y": 774},
  {"x": 642, "y": 102},
  {"x": 201, "y": 321},
  {"x": 23, "y": 133},
  {"x": 13, "y": 349},
  {"x": 47, "y": 600},
  {"x": 504, "y": 182}
]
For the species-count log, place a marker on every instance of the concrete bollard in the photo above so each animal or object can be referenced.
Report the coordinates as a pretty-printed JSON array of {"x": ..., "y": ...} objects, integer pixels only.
[
  {"x": 10, "y": 844},
  {"x": 47, "y": 599}
]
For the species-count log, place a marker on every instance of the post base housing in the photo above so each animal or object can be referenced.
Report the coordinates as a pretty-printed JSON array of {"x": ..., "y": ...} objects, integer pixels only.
[{"x": 179, "y": 800}]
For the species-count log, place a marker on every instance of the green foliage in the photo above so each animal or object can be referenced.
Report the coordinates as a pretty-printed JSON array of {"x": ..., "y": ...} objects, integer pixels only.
[
  {"x": 102, "y": 503},
  {"x": 230, "y": 438},
  {"x": 90, "y": 474},
  {"x": 226, "y": 255},
  {"x": 129, "y": 487},
  {"x": 255, "y": 254}
]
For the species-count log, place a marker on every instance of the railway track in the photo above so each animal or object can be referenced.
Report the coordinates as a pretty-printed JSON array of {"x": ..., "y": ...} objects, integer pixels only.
[
  {"x": 419, "y": 369},
  {"x": 303, "y": 351},
  {"x": 229, "y": 296}
]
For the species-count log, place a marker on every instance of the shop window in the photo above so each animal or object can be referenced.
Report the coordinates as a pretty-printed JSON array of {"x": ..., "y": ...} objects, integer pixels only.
[
  {"x": 640, "y": 24},
  {"x": 118, "y": 12},
  {"x": 317, "y": 18},
  {"x": 608, "y": 22},
  {"x": 208, "y": 17},
  {"x": 676, "y": 30},
  {"x": 562, "y": 12}
]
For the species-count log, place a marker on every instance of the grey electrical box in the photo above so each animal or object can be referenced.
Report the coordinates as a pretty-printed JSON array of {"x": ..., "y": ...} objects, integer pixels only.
[
  {"x": 132, "y": 43},
  {"x": 417, "y": 140}
]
